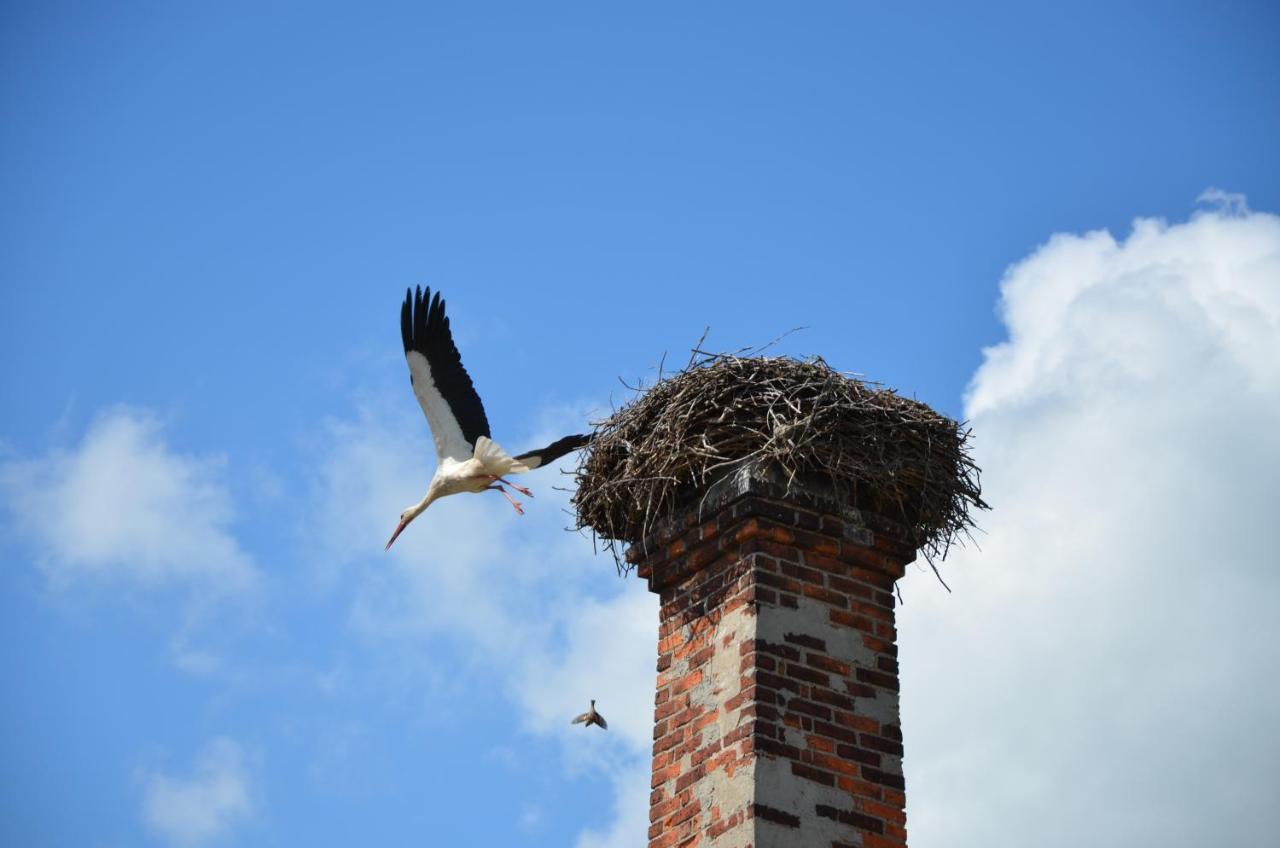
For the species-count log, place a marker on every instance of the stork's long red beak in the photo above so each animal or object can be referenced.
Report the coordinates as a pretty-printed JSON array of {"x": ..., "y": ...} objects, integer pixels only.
[{"x": 399, "y": 529}]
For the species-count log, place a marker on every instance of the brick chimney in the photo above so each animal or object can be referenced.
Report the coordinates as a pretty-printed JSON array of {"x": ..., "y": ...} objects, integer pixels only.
[{"x": 776, "y": 716}]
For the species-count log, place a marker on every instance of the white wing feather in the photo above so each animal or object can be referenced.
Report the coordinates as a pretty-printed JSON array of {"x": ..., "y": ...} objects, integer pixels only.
[{"x": 445, "y": 430}]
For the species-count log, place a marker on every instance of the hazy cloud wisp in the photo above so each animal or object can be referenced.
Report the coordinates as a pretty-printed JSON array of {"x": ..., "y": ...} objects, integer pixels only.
[
  {"x": 201, "y": 808},
  {"x": 122, "y": 504}
]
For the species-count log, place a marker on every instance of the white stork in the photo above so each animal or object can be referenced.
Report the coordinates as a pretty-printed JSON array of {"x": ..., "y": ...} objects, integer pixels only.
[
  {"x": 591, "y": 717},
  {"x": 467, "y": 460}
]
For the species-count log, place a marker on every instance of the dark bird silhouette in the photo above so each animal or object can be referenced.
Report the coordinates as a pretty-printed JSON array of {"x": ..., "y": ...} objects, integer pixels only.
[{"x": 591, "y": 717}]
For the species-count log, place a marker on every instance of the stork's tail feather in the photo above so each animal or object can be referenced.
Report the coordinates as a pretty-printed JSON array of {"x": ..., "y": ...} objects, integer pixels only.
[
  {"x": 496, "y": 461},
  {"x": 553, "y": 451}
]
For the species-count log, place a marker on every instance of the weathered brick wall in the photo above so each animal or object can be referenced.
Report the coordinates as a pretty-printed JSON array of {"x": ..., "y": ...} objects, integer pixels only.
[{"x": 776, "y": 715}]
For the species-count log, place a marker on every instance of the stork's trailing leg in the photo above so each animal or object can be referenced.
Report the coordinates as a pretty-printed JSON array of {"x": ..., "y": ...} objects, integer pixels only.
[
  {"x": 521, "y": 489},
  {"x": 519, "y": 509}
]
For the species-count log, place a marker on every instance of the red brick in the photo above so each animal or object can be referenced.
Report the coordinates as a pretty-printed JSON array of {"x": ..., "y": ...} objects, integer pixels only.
[
  {"x": 857, "y": 722},
  {"x": 808, "y": 675},
  {"x": 818, "y": 743},
  {"x": 877, "y": 678},
  {"x": 835, "y": 699},
  {"x": 671, "y": 641},
  {"x": 811, "y": 773},
  {"x": 704, "y": 720},
  {"x": 668, "y": 707},
  {"x": 785, "y": 584},
  {"x": 800, "y": 705},
  {"x": 827, "y": 596},
  {"x": 857, "y": 755},
  {"x": 663, "y": 809},
  {"x": 834, "y": 763},
  {"x": 783, "y": 553},
  {"x": 884, "y": 811},
  {"x": 690, "y": 777},
  {"x": 838, "y": 733},
  {"x": 827, "y": 664},
  {"x": 879, "y": 743},
  {"x": 852, "y": 619},
  {"x": 861, "y": 788},
  {"x": 687, "y": 682},
  {"x": 671, "y": 740},
  {"x": 688, "y": 811},
  {"x": 874, "y": 610},
  {"x": 662, "y": 775},
  {"x": 799, "y": 572},
  {"x": 705, "y": 752},
  {"x": 851, "y": 588}
]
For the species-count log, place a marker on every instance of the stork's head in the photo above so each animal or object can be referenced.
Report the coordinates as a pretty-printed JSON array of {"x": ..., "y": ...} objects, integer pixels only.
[{"x": 407, "y": 516}]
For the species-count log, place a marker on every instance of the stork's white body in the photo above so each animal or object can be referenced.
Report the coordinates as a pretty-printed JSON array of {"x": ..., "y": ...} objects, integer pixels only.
[
  {"x": 476, "y": 474},
  {"x": 467, "y": 459}
]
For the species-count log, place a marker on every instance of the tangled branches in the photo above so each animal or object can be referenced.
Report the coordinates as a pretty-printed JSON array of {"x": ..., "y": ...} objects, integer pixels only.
[{"x": 885, "y": 453}]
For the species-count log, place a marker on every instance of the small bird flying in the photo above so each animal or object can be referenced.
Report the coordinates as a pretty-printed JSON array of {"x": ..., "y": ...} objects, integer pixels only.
[
  {"x": 591, "y": 717},
  {"x": 467, "y": 460}
]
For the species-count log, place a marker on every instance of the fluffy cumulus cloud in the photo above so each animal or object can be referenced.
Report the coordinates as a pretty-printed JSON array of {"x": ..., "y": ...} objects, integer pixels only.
[
  {"x": 204, "y": 807},
  {"x": 1105, "y": 673},
  {"x": 123, "y": 505}
]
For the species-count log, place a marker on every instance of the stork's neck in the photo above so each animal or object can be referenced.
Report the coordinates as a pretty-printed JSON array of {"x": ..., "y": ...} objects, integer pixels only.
[{"x": 418, "y": 508}]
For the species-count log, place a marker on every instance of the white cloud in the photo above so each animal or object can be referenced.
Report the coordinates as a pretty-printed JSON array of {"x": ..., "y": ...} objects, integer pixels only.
[
  {"x": 206, "y": 805},
  {"x": 608, "y": 654},
  {"x": 630, "y": 826},
  {"x": 123, "y": 505},
  {"x": 195, "y": 661},
  {"x": 1227, "y": 202},
  {"x": 530, "y": 817},
  {"x": 1106, "y": 672}
]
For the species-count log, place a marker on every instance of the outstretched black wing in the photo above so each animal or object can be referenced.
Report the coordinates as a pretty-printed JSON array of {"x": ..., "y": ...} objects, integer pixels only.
[
  {"x": 442, "y": 385},
  {"x": 552, "y": 452}
]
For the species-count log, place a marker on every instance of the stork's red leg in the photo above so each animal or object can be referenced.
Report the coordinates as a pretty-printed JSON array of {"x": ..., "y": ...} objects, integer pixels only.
[
  {"x": 519, "y": 509},
  {"x": 521, "y": 489}
]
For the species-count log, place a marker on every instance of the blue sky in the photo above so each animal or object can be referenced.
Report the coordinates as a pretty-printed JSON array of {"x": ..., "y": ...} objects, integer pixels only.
[{"x": 210, "y": 216}]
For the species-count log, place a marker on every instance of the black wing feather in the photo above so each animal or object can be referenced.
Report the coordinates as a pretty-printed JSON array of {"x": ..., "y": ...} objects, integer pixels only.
[
  {"x": 425, "y": 328},
  {"x": 553, "y": 451}
]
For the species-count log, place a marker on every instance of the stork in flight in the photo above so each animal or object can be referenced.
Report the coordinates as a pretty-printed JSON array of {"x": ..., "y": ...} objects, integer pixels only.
[
  {"x": 591, "y": 717},
  {"x": 467, "y": 460}
]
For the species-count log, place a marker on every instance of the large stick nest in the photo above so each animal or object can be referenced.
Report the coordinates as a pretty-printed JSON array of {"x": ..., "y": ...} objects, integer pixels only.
[{"x": 891, "y": 455}]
